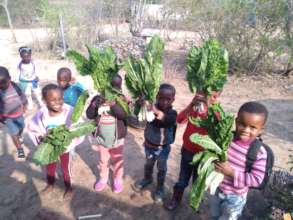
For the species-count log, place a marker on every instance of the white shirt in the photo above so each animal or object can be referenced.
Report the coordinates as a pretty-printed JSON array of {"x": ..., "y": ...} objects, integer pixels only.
[{"x": 27, "y": 71}]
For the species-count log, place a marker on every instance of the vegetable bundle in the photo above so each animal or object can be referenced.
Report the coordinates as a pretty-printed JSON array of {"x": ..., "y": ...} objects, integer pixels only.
[
  {"x": 102, "y": 67},
  {"x": 219, "y": 126},
  {"x": 57, "y": 139},
  {"x": 207, "y": 67},
  {"x": 143, "y": 76}
]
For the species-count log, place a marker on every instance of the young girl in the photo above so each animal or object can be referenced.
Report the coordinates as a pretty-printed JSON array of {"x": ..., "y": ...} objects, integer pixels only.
[
  {"x": 28, "y": 79},
  {"x": 230, "y": 198},
  {"x": 109, "y": 137},
  {"x": 55, "y": 113}
]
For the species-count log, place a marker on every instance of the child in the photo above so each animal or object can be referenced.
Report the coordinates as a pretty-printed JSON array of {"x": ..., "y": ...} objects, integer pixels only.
[
  {"x": 12, "y": 107},
  {"x": 28, "y": 79},
  {"x": 71, "y": 91},
  {"x": 109, "y": 137},
  {"x": 159, "y": 135},
  {"x": 55, "y": 113},
  {"x": 230, "y": 198},
  {"x": 189, "y": 149}
]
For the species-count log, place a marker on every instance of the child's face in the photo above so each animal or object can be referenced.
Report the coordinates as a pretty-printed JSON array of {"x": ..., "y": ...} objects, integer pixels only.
[
  {"x": 4, "y": 83},
  {"x": 26, "y": 57},
  {"x": 214, "y": 96},
  {"x": 54, "y": 100},
  {"x": 63, "y": 80},
  {"x": 165, "y": 98},
  {"x": 249, "y": 125}
]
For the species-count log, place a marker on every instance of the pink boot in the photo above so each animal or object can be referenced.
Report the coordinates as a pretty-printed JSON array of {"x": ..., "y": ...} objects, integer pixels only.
[
  {"x": 99, "y": 186},
  {"x": 117, "y": 186}
]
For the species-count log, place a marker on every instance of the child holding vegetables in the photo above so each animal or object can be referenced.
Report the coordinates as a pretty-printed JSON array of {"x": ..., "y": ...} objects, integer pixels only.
[
  {"x": 197, "y": 108},
  {"x": 55, "y": 113},
  {"x": 109, "y": 137},
  {"x": 159, "y": 135},
  {"x": 230, "y": 197}
]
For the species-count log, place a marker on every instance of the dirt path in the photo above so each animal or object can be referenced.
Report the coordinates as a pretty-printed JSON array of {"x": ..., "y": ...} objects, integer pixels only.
[{"x": 22, "y": 181}]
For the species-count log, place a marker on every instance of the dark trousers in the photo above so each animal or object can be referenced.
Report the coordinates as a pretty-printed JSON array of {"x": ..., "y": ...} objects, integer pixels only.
[
  {"x": 154, "y": 155},
  {"x": 186, "y": 170}
]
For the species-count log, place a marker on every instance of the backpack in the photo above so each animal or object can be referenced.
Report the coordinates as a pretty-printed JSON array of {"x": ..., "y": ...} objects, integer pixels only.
[{"x": 251, "y": 158}]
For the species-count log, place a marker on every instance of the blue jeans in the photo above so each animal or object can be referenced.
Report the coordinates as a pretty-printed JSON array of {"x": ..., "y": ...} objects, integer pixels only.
[
  {"x": 226, "y": 206},
  {"x": 186, "y": 170},
  {"x": 14, "y": 126},
  {"x": 160, "y": 156}
]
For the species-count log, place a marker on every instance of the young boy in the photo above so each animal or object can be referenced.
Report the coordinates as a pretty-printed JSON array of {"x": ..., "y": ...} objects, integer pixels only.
[
  {"x": 12, "y": 107},
  {"x": 230, "y": 197},
  {"x": 159, "y": 135},
  {"x": 28, "y": 79},
  {"x": 189, "y": 149},
  {"x": 71, "y": 91},
  {"x": 109, "y": 137}
]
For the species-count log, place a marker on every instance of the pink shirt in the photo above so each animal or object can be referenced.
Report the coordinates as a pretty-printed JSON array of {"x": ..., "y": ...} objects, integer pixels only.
[{"x": 242, "y": 180}]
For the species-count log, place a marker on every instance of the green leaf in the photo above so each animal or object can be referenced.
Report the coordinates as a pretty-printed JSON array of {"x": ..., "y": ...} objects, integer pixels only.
[
  {"x": 79, "y": 107},
  {"x": 206, "y": 142}
]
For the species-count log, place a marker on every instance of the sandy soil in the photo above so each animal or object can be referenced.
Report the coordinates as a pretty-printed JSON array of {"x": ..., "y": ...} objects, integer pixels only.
[{"x": 22, "y": 181}]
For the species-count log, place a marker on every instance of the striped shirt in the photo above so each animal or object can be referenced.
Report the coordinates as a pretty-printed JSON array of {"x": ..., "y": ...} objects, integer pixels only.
[
  {"x": 12, "y": 102},
  {"x": 242, "y": 180}
]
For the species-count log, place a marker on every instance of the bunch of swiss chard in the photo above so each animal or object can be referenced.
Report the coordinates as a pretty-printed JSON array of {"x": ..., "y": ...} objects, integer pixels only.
[
  {"x": 207, "y": 67},
  {"x": 102, "y": 66},
  {"x": 143, "y": 76},
  {"x": 57, "y": 139},
  {"x": 219, "y": 125}
]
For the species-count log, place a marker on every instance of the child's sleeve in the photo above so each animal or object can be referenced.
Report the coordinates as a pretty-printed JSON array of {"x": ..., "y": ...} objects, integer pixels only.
[
  {"x": 181, "y": 117},
  {"x": 256, "y": 176},
  {"x": 91, "y": 111},
  {"x": 34, "y": 130},
  {"x": 118, "y": 112}
]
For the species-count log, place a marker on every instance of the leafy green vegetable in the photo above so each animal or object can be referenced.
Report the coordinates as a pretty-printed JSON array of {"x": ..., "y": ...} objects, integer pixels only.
[
  {"x": 207, "y": 67},
  {"x": 143, "y": 76},
  {"x": 79, "y": 107},
  {"x": 102, "y": 66},
  {"x": 57, "y": 139},
  {"x": 219, "y": 126}
]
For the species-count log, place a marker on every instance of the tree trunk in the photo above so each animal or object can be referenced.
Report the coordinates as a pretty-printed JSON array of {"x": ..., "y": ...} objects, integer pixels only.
[{"x": 4, "y": 4}]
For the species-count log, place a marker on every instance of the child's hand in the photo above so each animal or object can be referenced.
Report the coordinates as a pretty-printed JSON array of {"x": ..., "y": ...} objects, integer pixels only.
[
  {"x": 199, "y": 97},
  {"x": 224, "y": 168},
  {"x": 159, "y": 114},
  {"x": 40, "y": 139}
]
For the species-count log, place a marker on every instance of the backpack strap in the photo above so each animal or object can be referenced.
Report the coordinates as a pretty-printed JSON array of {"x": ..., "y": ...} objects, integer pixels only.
[{"x": 251, "y": 156}]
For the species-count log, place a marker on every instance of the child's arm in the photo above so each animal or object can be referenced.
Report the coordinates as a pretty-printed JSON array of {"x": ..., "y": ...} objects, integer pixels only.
[
  {"x": 92, "y": 109},
  {"x": 34, "y": 131},
  {"x": 117, "y": 111},
  {"x": 245, "y": 179},
  {"x": 168, "y": 119},
  {"x": 183, "y": 115}
]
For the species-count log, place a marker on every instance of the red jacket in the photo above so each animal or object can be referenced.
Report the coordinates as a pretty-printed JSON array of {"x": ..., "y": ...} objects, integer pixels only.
[{"x": 190, "y": 129}]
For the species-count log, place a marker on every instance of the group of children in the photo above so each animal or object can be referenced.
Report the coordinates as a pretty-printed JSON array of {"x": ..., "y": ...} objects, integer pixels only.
[{"x": 59, "y": 100}]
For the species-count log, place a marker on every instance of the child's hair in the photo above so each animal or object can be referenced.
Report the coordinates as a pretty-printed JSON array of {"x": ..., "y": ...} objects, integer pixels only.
[
  {"x": 4, "y": 73},
  {"x": 255, "y": 108},
  {"x": 64, "y": 70},
  {"x": 24, "y": 49},
  {"x": 48, "y": 88},
  {"x": 166, "y": 86}
]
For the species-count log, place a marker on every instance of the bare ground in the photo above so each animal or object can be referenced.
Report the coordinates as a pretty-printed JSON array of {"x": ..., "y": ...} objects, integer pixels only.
[{"x": 22, "y": 181}]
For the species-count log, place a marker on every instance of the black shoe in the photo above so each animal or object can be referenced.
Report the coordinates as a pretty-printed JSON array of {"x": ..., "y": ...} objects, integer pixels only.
[
  {"x": 159, "y": 195},
  {"x": 142, "y": 184},
  {"x": 20, "y": 152}
]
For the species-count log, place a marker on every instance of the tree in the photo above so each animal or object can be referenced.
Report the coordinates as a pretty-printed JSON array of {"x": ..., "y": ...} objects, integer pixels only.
[{"x": 4, "y": 4}]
